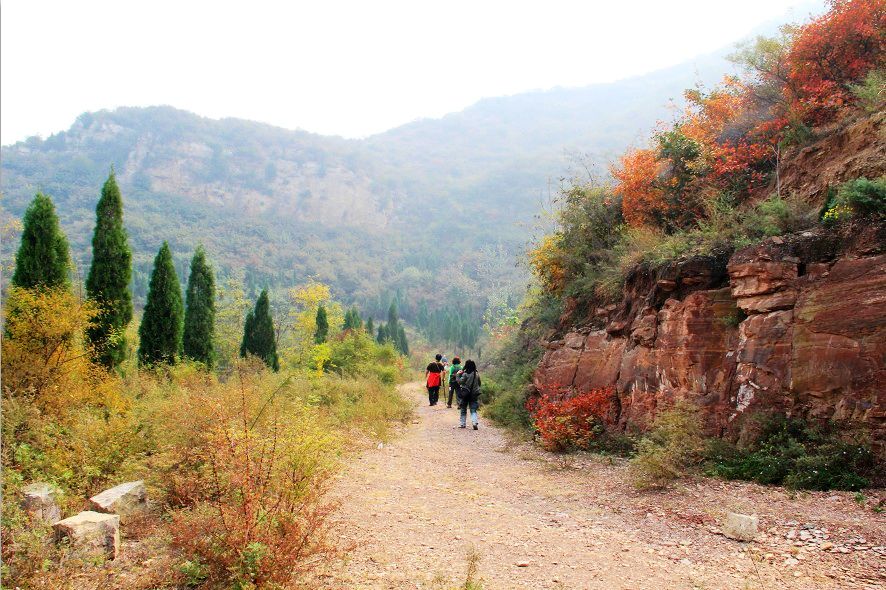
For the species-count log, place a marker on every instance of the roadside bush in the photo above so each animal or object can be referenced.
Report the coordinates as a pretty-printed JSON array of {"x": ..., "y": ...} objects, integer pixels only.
[
  {"x": 507, "y": 407},
  {"x": 856, "y": 197},
  {"x": 795, "y": 454},
  {"x": 672, "y": 448},
  {"x": 574, "y": 422},
  {"x": 356, "y": 354},
  {"x": 258, "y": 516}
]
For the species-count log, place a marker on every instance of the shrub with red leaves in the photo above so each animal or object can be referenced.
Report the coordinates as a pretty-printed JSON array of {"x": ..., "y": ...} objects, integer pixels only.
[{"x": 574, "y": 422}]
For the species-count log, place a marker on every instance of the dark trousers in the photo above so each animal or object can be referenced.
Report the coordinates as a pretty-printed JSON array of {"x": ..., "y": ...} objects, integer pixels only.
[
  {"x": 452, "y": 391},
  {"x": 433, "y": 394}
]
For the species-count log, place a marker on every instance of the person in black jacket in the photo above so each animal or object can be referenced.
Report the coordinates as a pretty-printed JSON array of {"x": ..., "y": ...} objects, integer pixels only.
[{"x": 469, "y": 394}]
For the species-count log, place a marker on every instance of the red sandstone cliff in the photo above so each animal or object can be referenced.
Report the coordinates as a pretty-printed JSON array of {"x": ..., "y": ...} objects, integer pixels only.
[{"x": 795, "y": 325}]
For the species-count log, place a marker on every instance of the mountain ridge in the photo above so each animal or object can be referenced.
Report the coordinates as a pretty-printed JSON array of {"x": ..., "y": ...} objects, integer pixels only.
[{"x": 279, "y": 206}]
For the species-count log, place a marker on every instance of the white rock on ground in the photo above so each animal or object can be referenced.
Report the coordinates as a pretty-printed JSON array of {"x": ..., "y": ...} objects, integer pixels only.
[
  {"x": 740, "y": 526},
  {"x": 91, "y": 532},
  {"x": 39, "y": 502},
  {"x": 125, "y": 499}
]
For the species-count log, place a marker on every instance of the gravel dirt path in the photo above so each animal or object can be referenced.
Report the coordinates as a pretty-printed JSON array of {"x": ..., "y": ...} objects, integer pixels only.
[{"x": 416, "y": 508}]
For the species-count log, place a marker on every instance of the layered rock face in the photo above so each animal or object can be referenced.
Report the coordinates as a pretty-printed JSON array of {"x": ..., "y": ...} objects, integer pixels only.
[{"x": 796, "y": 325}]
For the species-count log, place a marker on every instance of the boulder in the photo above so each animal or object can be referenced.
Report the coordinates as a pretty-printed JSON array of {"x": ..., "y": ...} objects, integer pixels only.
[
  {"x": 740, "y": 526},
  {"x": 125, "y": 499},
  {"x": 90, "y": 533},
  {"x": 39, "y": 502}
]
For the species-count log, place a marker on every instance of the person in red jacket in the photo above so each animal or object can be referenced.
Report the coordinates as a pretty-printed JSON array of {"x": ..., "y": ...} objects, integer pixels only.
[{"x": 433, "y": 379}]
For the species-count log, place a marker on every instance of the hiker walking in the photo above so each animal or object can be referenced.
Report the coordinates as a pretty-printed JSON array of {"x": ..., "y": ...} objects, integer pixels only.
[
  {"x": 452, "y": 379},
  {"x": 469, "y": 394},
  {"x": 433, "y": 379}
]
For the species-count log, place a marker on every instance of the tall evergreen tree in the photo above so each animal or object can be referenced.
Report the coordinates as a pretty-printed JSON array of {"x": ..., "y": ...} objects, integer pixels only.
[
  {"x": 402, "y": 345},
  {"x": 258, "y": 334},
  {"x": 353, "y": 321},
  {"x": 322, "y": 331},
  {"x": 200, "y": 311},
  {"x": 393, "y": 318},
  {"x": 382, "y": 335},
  {"x": 247, "y": 343},
  {"x": 43, "y": 257},
  {"x": 109, "y": 275},
  {"x": 162, "y": 323},
  {"x": 370, "y": 327}
]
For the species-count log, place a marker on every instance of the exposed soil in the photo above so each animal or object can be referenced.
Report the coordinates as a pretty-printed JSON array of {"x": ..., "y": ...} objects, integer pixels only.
[{"x": 416, "y": 508}]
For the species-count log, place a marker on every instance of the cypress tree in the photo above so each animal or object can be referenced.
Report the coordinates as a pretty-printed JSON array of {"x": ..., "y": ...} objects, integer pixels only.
[
  {"x": 322, "y": 331},
  {"x": 382, "y": 335},
  {"x": 370, "y": 327},
  {"x": 248, "y": 331},
  {"x": 393, "y": 318},
  {"x": 355, "y": 318},
  {"x": 258, "y": 334},
  {"x": 161, "y": 328},
  {"x": 200, "y": 311},
  {"x": 109, "y": 275},
  {"x": 349, "y": 320},
  {"x": 43, "y": 257},
  {"x": 402, "y": 345}
]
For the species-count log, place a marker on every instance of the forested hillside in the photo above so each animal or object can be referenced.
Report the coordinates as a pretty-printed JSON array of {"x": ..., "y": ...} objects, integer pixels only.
[{"x": 282, "y": 206}]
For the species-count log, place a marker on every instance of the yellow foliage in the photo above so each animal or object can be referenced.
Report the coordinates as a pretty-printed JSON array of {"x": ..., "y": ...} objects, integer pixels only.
[
  {"x": 45, "y": 358},
  {"x": 305, "y": 300},
  {"x": 65, "y": 418},
  {"x": 546, "y": 262}
]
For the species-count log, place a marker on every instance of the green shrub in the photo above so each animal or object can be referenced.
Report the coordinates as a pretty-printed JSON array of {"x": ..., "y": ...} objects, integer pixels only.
[
  {"x": 794, "y": 453},
  {"x": 672, "y": 448},
  {"x": 856, "y": 197},
  {"x": 507, "y": 405},
  {"x": 871, "y": 93}
]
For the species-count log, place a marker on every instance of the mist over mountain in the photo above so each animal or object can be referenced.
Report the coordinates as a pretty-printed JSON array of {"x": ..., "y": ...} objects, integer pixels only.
[{"x": 433, "y": 208}]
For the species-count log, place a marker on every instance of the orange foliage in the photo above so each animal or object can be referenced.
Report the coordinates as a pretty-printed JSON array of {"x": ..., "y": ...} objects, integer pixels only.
[
  {"x": 726, "y": 141},
  {"x": 642, "y": 201}
]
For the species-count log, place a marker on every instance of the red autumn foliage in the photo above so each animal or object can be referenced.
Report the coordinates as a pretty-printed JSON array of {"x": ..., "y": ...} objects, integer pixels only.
[
  {"x": 726, "y": 141},
  {"x": 832, "y": 52},
  {"x": 571, "y": 422}
]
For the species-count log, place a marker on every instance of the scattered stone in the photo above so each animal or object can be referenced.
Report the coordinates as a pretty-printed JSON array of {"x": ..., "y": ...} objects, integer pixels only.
[
  {"x": 826, "y": 545},
  {"x": 522, "y": 564},
  {"x": 91, "y": 532},
  {"x": 125, "y": 499},
  {"x": 380, "y": 446},
  {"x": 740, "y": 526},
  {"x": 39, "y": 502},
  {"x": 790, "y": 562}
]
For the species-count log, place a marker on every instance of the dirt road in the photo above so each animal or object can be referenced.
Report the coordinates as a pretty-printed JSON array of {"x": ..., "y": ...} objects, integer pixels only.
[{"x": 417, "y": 507}]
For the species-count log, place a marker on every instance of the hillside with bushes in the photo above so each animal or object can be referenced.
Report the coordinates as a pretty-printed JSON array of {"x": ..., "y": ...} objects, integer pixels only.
[{"x": 734, "y": 268}]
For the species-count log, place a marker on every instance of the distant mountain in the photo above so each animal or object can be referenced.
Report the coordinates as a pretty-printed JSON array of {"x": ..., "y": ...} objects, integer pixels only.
[{"x": 433, "y": 210}]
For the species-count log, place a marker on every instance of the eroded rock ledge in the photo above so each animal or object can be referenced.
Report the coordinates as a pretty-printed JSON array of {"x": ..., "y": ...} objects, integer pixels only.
[{"x": 795, "y": 325}]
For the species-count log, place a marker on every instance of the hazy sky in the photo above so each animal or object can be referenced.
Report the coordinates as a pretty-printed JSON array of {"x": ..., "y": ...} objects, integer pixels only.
[{"x": 351, "y": 68}]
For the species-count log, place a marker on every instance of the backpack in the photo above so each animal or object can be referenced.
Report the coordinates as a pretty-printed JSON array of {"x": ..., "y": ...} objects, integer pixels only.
[
  {"x": 453, "y": 378},
  {"x": 473, "y": 390}
]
